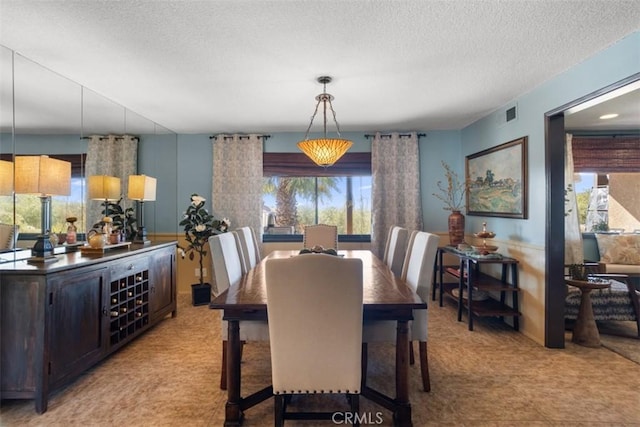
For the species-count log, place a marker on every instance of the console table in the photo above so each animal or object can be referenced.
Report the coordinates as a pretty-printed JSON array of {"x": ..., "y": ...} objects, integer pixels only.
[
  {"x": 470, "y": 278},
  {"x": 61, "y": 318}
]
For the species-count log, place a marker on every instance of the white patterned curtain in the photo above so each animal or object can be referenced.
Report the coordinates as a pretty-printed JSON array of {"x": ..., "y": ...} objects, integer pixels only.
[
  {"x": 237, "y": 180},
  {"x": 573, "y": 253},
  {"x": 113, "y": 155},
  {"x": 395, "y": 166}
]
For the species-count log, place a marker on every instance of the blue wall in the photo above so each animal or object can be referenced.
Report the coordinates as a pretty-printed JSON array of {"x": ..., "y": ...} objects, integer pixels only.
[
  {"x": 607, "y": 67},
  {"x": 183, "y": 164},
  {"x": 157, "y": 158},
  {"x": 196, "y": 154}
]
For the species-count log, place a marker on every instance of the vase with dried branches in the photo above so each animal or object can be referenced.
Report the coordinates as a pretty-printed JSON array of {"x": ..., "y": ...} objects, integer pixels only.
[{"x": 453, "y": 196}]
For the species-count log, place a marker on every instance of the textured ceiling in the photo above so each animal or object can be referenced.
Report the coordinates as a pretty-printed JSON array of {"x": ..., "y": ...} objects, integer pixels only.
[{"x": 251, "y": 66}]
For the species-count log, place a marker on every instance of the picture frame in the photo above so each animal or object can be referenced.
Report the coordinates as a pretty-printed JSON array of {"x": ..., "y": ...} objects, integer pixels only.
[{"x": 497, "y": 180}]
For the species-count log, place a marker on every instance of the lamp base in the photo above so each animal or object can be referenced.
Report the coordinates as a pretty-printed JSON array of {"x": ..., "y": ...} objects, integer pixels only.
[
  {"x": 42, "y": 260},
  {"x": 42, "y": 250},
  {"x": 141, "y": 237}
]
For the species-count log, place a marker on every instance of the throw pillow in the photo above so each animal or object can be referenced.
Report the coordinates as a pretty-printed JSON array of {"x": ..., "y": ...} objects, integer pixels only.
[{"x": 619, "y": 248}]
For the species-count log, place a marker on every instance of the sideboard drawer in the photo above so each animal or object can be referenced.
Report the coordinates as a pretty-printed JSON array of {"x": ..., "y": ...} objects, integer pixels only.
[{"x": 128, "y": 267}]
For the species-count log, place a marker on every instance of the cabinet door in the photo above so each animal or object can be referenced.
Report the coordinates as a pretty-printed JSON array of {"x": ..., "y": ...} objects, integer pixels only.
[
  {"x": 163, "y": 282},
  {"x": 77, "y": 327}
]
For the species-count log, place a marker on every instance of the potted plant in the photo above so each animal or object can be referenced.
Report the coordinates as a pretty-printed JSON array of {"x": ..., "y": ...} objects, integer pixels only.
[
  {"x": 453, "y": 196},
  {"x": 199, "y": 225},
  {"x": 123, "y": 219}
]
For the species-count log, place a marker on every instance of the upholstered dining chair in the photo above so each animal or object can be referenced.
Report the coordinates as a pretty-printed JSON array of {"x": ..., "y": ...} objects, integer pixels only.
[
  {"x": 226, "y": 260},
  {"x": 8, "y": 235},
  {"x": 417, "y": 272},
  {"x": 396, "y": 248},
  {"x": 309, "y": 299},
  {"x": 249, "y": 245},
  {"x": 320, "y": 235}
]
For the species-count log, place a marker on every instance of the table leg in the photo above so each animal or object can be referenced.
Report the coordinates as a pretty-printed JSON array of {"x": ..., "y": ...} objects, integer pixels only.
[
  {"x": 460, "y": 289},
  {"x": 516, "y": 304},
  {"x": 470, "y": 279},
  {"x": 233, "y": 412},
  {"x": 585, "y": 330},
  {"x": 402, "y": 414},
  {"x": 440, "y": 274}
]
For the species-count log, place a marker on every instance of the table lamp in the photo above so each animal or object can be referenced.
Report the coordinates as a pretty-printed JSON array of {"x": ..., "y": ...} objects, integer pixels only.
[
  {"x": 6, "y": 178},
  {"x": 142, "y": 188},
  {"x": 44, "y": 176},
  {"x": 104, "y": 187}
]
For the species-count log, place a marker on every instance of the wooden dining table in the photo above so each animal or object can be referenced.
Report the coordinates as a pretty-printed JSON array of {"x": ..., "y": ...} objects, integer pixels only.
[{"x": 385, "y": 297}]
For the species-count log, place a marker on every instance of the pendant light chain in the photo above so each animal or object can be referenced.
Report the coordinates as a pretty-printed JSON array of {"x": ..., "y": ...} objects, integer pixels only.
[{"x": 324, "y": 151}]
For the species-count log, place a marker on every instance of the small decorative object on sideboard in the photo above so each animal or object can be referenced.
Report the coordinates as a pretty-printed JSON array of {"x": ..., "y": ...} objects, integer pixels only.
[
  {"x": 485, "y": 249},
  {"x": 72, "y": 230}
]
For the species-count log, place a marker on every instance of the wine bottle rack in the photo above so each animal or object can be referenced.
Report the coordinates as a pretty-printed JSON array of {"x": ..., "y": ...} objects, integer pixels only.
[{"x": 128, "y": 305}]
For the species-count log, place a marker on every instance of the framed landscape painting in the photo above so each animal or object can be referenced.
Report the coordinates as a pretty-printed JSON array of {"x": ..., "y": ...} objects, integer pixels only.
[{"x": 497, "y": 179}]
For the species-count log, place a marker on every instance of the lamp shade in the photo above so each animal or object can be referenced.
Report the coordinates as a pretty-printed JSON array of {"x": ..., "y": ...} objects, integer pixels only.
[
  {"x": 6, "y": 178},
  {"x": 142, "y": 188},
  {"x": 324, "y": 152},
  {"x": 42, "y": 175},
  {"x": 104, "y": 187}
]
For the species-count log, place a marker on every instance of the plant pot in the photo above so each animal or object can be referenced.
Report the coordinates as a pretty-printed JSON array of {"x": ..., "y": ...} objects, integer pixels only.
[
  {"x": 200, "y": 294},
  {"x": 456, "y": 228}
]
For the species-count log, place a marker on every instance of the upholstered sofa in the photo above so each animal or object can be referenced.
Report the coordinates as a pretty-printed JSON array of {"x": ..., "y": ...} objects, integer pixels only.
[{"x": 614, "y": 253}]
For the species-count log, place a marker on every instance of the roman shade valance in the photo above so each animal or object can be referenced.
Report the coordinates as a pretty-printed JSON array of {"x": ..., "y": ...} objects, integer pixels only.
[
  {"x": 606, "y": 154},
  {"x": 298, "y": 164}
]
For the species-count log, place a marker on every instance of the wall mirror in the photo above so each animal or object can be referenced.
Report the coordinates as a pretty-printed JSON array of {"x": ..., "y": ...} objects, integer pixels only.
[{"x": 44, "y": 113}]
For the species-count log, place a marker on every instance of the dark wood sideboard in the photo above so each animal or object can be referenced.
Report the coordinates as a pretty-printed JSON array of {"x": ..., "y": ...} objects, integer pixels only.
[{"x": 59, "y": 319}]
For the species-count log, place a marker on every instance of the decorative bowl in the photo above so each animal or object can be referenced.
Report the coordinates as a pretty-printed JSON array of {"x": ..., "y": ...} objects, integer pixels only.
[
  {"x": 485, "y": 234},
  {"x": 485, "y": 249}
]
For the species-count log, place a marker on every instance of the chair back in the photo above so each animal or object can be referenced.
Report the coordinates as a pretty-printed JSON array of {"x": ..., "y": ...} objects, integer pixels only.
[
  {"x": 226, "y": 261},
  {"x": 250, "y": 249},
  {"x": 314, "y": 305},
  {"x": 396, "y": 249},
  {"x": 8, "y": 235},
  {"x": 321, "y": 234},
  {"x": 417, "y": 272}
]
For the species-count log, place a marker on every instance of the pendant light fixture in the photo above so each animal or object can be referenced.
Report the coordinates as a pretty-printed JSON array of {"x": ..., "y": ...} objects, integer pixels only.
[{"x": 324, "y": 151}]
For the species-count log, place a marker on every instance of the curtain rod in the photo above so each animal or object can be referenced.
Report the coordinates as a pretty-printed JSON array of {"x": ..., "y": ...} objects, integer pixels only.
[
  {"x": 386, "y": 135},
  {"x": 606, "y": 135},
  {"x": 106, "y": 137},
  {"x": 239, "y": 136}
]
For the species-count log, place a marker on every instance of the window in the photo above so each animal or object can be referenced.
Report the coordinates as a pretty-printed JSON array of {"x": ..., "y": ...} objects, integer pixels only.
[
  {"x": 606, "y": 179},
  {"x": 587, "y": 191},
  {"x": 296, "y": 192}
]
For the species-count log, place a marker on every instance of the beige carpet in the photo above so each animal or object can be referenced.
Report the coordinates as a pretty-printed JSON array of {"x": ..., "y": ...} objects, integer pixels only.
[{"x": 492, "y": 376}]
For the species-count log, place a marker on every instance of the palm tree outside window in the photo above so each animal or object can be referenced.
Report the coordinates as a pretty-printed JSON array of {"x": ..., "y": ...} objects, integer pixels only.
[{"x": 299, "y": 193}]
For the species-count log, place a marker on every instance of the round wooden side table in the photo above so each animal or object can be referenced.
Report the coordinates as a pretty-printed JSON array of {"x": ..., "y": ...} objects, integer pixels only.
[{"x": 585, "y": 330}]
